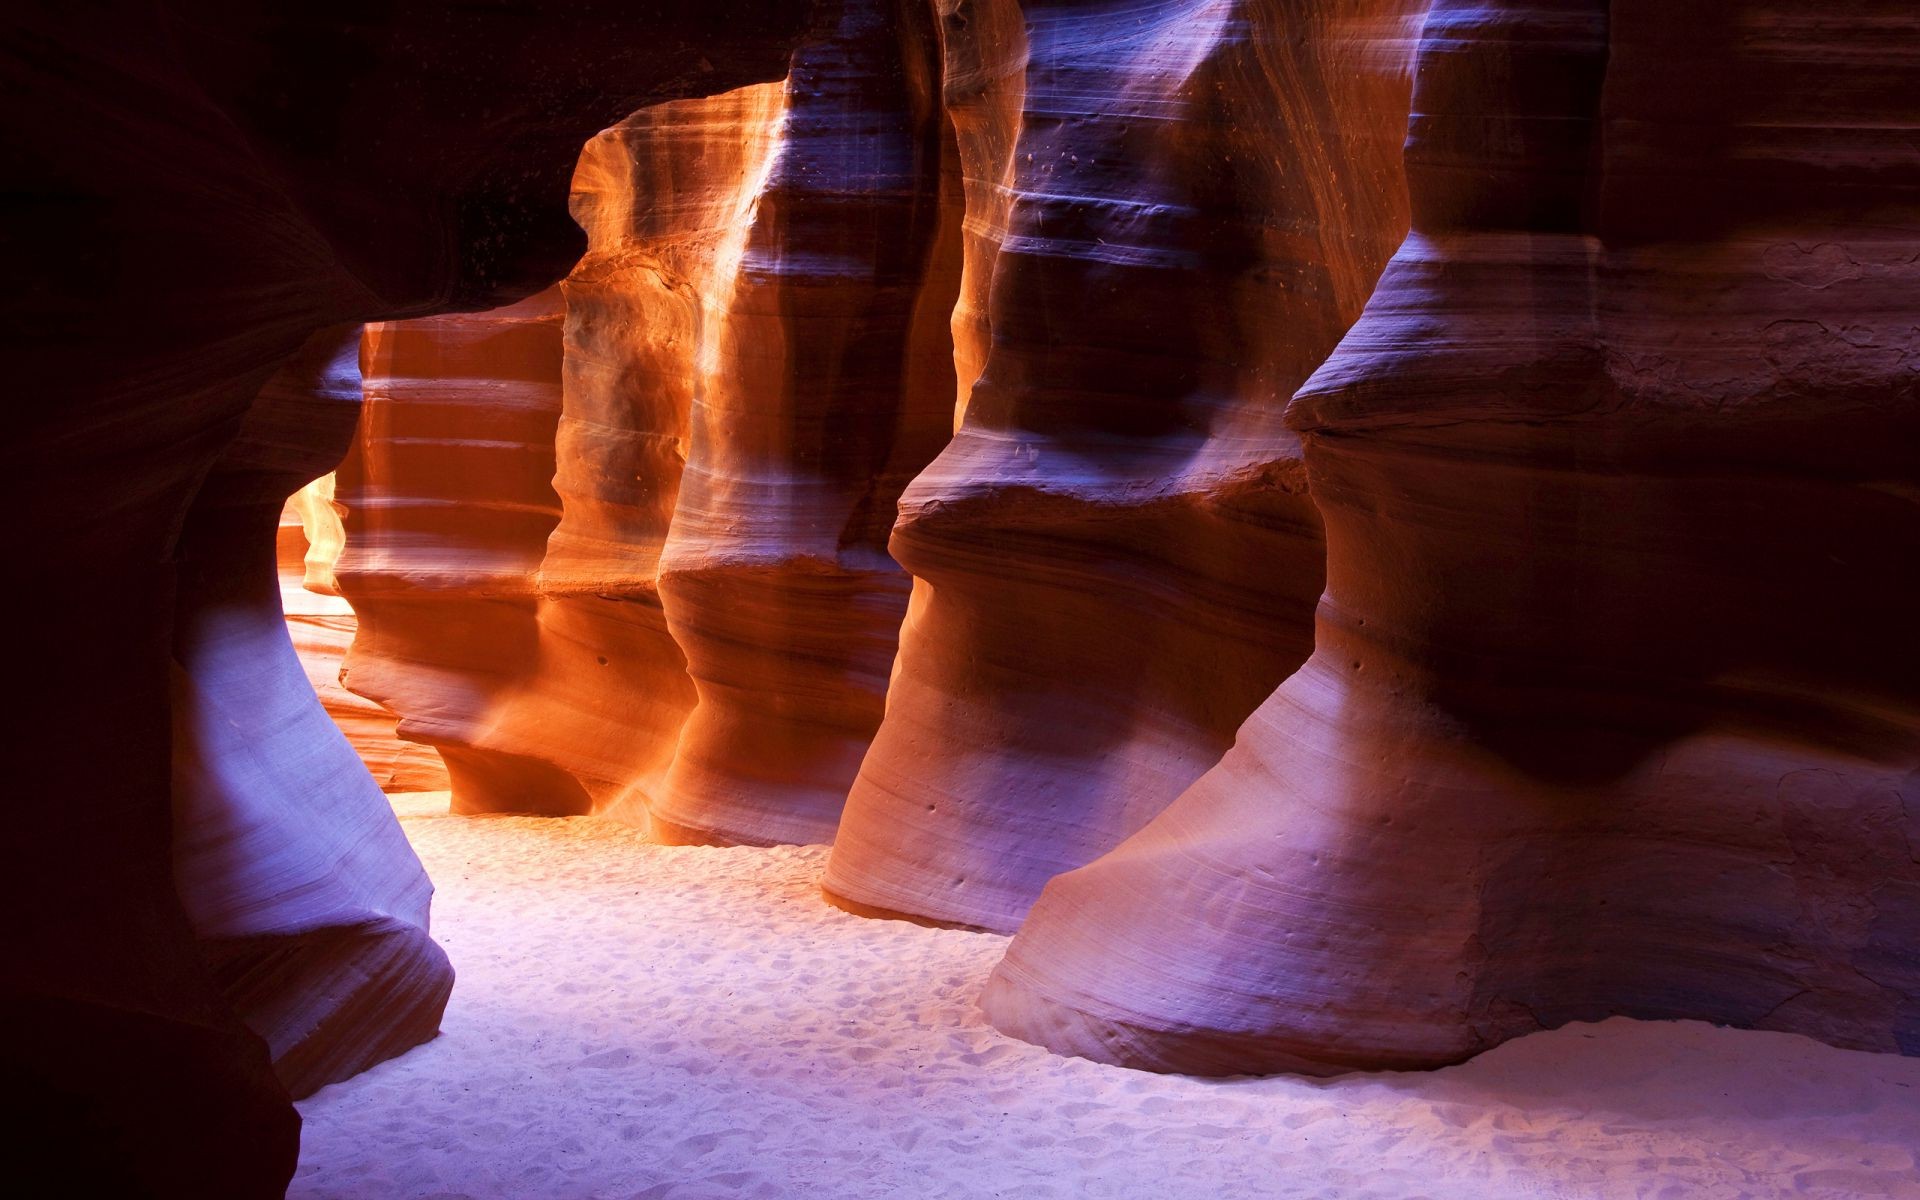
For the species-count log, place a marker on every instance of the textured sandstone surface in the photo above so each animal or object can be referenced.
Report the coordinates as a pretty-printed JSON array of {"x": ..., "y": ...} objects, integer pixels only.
[
  {"x": 195, "y": 189},
  {"x": 633, "y": 558},
  {"x": 321, "y": 624},
  {"x": 1612, "y": 707},
  {"x": 826, "y": 385},
  {"x": 448, "y": 502},
  {"x": 310, "y": 907},
  {"x": 1607, "y": 503},
  {"x": 1174, "y": 212}
]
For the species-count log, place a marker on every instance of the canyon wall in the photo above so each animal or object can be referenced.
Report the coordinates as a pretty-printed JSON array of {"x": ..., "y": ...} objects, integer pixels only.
[
  {"x": 640, "y": 567},
  {"x": 309, "y": 906},
  {"x": 452, "y": 399},
  {"x": 1612, "y": 707},
  {"x": 195, "y": 189},
  {"x": 1176, "y": 211},
  {"x": 1608, "y": 705},
  {"x": 827, "y": 384},
  {"x": 1356, "y": 676},
  {"x": 321, "y": 624}
]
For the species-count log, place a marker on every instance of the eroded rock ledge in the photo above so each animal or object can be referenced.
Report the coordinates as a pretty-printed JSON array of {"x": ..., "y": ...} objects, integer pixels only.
[{"x": 1612, "y": 704}]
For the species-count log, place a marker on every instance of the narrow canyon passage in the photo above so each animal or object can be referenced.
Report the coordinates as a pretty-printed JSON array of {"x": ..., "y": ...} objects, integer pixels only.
[
  {"x": 964, "y": 598},
  {"x": 690, "y": 1023}
]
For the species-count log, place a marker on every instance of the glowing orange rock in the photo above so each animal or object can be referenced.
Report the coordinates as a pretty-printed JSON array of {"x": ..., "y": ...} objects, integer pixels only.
[
  {"x": 321, "y": 624},
  {"x": 448, "y": 503},
  {"x": 691, "y": 624},
  {"x": 1175, "y": 209},
  {"x": 826, "y": 384},
  {"x": 533, "y": 650}
]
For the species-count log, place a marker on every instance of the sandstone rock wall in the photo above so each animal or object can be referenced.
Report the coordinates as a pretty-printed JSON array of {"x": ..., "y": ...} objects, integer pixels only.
[
  {"x": 1175, "y": 213},
  {"x": 195, "y": 189},
  {"x": 1607, "y": 706},
  {"x": 449, "y": 502},
  {"x": 695, "y": 619},
  {"x": 309, "y": 905},
  {"x": 1612, "y": 705},
  {"x": 826, "y": 380},
  {"x": 321, "y": 624}
]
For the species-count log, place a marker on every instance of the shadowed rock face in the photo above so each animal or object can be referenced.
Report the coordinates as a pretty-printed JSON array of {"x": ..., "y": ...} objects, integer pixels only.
[
  {"x": 309, "y": 905},
  {"x": 1174, "y": 211},
  {"x": 1612, "y": 708},
  {"x": 195, "y": 189},
  {"x": 691, "y": 624}
]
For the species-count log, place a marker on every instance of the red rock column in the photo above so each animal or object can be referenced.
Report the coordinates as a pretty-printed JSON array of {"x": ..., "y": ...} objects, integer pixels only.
[
  {"x": 1176, "y": 211},
  {"x": 664, "y": 197},
  {"x": 825, "y": 383},
  {"x": 1613, "y": 708},
  {"x": 449, "y": 501}
]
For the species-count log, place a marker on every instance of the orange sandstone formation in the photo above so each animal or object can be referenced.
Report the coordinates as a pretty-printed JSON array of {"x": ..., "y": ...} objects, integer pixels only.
[
  {"x": 762, "y": 307},
  {"x": 1613, "y": 704},
  {"x": 826, "y": 384},
  {"x": 321, "y": 624},
  {"x": 197, "y": 189},
  {"x": 1176, "y": 209},
  {"x": 448, "y": 503},
  {"x": 517, "y": 472}
]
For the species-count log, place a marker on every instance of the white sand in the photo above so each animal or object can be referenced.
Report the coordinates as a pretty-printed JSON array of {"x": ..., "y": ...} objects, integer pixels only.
[{"x": 646, "y": 1021}]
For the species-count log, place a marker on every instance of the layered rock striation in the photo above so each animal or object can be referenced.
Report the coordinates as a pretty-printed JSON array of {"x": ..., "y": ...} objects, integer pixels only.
[
  {"x": 322, "y": 624},
  {"x": 1611, "y": 708},
  {"x": 449, "y": 501},
  {"x": 1174, "y": 211},
  {"x": 826, "y": 384},
  {"x": 663, "y": 592},
  {"x": 195, "y": 189}
]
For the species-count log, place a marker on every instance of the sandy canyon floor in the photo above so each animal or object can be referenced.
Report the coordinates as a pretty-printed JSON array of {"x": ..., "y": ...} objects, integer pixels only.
[{"x": 663, "y": 1022}]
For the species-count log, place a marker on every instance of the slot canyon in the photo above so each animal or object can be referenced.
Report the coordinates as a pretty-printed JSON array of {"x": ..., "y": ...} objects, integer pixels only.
[{"x": 963, "y": 598}]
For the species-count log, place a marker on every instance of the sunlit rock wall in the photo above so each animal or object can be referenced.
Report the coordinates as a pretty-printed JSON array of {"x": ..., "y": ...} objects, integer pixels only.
[
  {"x": 826, "y": 384},
  {"x": 638, "y": 564},
  {"x": 1175, "y": 210},
  {"x": 1614, "y": 706},
  {"x": 449, "y": 501},
  {"x": 321, "y": 624}
]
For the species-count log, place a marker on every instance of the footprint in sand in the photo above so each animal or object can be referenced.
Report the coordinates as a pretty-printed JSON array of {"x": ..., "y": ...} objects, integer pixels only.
[{"x": 609, "y": 1060}]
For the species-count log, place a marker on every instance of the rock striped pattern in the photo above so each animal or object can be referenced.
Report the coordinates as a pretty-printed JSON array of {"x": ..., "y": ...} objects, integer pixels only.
[
  {"x": 1612, "y": 707},
  {"x": 285, "y": 851},
  {"x": 321, "y": 624},
  {"x": 1175, "y": 209},
  {"x": 655, "y": 584}
]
